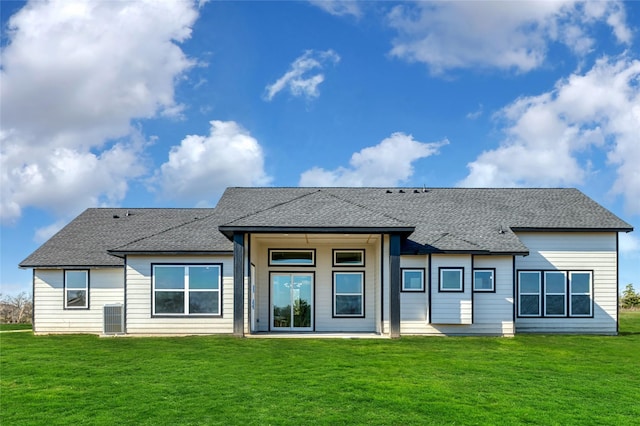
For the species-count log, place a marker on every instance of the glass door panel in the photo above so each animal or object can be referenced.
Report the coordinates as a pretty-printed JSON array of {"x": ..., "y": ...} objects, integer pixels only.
[{"x": 292, "y": 301}]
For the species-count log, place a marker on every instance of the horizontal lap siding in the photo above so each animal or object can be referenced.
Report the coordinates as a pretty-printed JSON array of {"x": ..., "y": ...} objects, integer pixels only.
[
  {"x": 323, "y": 284},
  {"x": 139, "y": 319},
  {"x": 106, "y": 286},
  {"x": 492, "y": 312},
  {"x": 575, "y": 252},
  {"x": 450, "y": 307}
]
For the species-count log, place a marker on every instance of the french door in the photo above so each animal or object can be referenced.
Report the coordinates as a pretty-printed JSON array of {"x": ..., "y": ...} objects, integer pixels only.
[{"x": 292, "y": 301}]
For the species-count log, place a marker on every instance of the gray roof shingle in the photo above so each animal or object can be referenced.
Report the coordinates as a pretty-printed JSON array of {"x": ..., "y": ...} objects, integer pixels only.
[
  {"x": 437, "y": 219},
  {"x": 85, "y": 240}
]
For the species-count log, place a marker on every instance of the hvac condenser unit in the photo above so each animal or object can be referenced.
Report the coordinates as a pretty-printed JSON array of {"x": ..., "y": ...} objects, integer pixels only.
[{"x": 114, "y": 319}]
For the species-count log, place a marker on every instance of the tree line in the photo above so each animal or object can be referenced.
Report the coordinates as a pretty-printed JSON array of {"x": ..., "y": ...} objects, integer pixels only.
[{"x": 16, "y": 309}]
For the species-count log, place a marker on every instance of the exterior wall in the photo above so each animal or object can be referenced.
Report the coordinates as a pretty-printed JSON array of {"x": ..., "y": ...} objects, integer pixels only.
[
  {"x": 106, "y": 286},
  {"x": 487, "y": 313},
  {"x": 323, "y": 281},
  {"x": 138, "y": 291},
  {"x": 575, "y": 251}
]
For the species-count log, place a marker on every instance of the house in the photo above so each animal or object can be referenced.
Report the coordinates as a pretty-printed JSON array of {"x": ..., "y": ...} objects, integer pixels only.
[{"x": 391, "y": 262}]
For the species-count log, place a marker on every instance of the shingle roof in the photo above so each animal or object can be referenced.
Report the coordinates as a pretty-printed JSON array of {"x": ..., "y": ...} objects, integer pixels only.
[
  {"x": 445, "y": 219},
  {"x": 438, "y": 220},
  {"x": 84, "y": 242}
]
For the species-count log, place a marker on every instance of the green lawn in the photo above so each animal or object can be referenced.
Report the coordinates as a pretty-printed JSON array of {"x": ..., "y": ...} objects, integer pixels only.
[
  {"x": 10, "y": 327},
  {"x": 532, "y": 379}
]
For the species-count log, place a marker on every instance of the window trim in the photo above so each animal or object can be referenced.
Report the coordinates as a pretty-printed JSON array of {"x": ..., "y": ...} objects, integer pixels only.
[
  {"x": 571, "y": 293},
  {"x": 563, "y": 294},
  {"x": 568, "y": 314},
  {"x": 412, "y": 290},
  {"x": 539, "y": 294},
  {"x": 186, "y": 289},
  {"x": 441, "y": 269},
  {"x": 289, "y": 250},
  {"x": 361, "y": 294},
  {"x": 348, "y": 265},
  {"x": 86, "y": 289},
  {"x": 493, "y": 280}
]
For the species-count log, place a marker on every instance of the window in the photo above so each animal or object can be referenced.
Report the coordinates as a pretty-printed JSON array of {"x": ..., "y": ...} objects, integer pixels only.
[
  {"x": 560, "y": 294},
  {"x": 348, "y": 257},
  {"x": 413, "y": 279},
  {"x": 529, "y": 293},
  {"x": 483, "y": 280},
  {"x": 76, "y": 289},
  {"x": 292, "y": 257},
  {"x": 555, "y": 288},
  {"x": 451, "y": 279},
  {"x": 187, "y": 289},
  {"x": 348, "y": 294},
  {"x": 580, "y": 290}
]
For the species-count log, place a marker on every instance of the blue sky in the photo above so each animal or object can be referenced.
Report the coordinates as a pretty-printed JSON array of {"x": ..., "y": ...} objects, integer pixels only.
[{"x": 164, "y": 104}]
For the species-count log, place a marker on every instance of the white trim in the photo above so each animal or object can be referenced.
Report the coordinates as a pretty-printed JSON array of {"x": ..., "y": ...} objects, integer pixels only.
[
  {"x": 359, "y": 251},
  {"x": 460, "y": 288},
  {"x": 311, "y": 251},
  {"x": 421, "y": 271}
]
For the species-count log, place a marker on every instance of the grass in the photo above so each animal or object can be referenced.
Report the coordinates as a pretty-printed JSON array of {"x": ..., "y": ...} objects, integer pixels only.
[
  {"x": 531, "y": 379},
  {"x": 11, "y": 327}
]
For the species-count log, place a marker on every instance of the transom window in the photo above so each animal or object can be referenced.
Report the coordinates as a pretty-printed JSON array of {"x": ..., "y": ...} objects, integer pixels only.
[
  {"x": 413, "y": 279},
  {"x": 76, "y": 289},
  {"x": 483, "y": 280},
  {"x": 451, "y": 279},
  {"x": 187, "y": 289},
  {"x": 348, "y": 294},
  {"x": 348, "y": 257},
  {"x": 291, "y": 257}
]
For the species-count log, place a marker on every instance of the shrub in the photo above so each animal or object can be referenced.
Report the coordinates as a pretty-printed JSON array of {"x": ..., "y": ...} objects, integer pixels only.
[{"x": 630, "y": 299}]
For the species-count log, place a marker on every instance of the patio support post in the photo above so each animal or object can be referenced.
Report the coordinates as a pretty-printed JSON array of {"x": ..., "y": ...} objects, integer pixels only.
[
  {"x": 394, "y": 287},
  {"x": 238, "y": 285}
]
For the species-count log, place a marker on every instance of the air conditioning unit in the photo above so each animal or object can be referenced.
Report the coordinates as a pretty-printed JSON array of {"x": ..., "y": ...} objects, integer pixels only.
[{"x": 114, "y": 319}]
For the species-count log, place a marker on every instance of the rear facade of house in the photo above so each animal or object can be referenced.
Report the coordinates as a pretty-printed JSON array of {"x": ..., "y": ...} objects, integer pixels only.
[{"x": 312, "y": 261}]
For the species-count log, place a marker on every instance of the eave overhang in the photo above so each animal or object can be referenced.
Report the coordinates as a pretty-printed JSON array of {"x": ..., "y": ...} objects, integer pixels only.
[
  {"x": 123, "y": 253},
  {"x": 540, "y": 229},
  {"x": 229, "y": 231}
]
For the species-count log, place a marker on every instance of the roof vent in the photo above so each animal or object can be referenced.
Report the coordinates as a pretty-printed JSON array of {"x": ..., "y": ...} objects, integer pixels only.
[
  {"x": 389, "y": 191},
  {"x": 401, "y": 191},
  {"x": 415, "y": 191},
  {"x": 115, "y": 216}
]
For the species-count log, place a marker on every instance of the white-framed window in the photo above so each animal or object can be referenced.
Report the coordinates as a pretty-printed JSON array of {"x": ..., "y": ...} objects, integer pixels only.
[
  {"x": 413, "y": 279},
  {"x": 343, "y": 257},
  {"x": 580, "y": 290},
  {"x": 292, "y": 257},
  {"x": 529, "y": 292},
  {"x": 555, "y": 293},
  {"x": 483, "y": 280},
  {"x": 348, "y": 294},
  {"x": 451, "y": 279},
  {"x": 76, "y": 289},
  {"x": 194, "y": 289}
]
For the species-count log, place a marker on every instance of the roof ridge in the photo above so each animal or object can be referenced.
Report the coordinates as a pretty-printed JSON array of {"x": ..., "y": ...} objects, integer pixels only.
[
  {"x": 367, "y": 208},
  {"x": 273, "y": 206},
  {"x": 171, "y": 228}
]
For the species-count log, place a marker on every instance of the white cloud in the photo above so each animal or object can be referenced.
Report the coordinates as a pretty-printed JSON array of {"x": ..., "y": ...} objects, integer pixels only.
[
  {"x": 201, "y": 167},
  {"x": 304, "y": 76},
  {"x": 339, "y": 7},
  {"x": 74, "y": 75},
  {"x": 387, "y": 164},
  {"x": 628, "y": 243},
  {"x": 505, "y": 35},
  {"x": 549, "y": 136}
]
